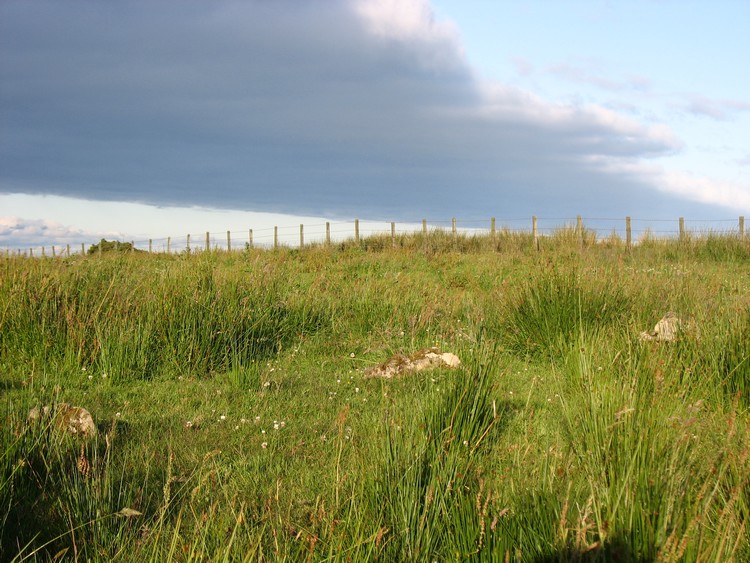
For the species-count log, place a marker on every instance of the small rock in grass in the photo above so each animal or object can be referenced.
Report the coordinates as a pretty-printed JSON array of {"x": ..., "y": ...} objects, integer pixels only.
[
  {"x": 666, "y": 330},
  {"x": 75, "y": 420},
  {"x": 424, "y": 359}
]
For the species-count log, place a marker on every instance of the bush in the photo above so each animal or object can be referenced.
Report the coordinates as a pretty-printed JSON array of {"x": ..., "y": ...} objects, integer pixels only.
[{"x": 110, "y": 246}]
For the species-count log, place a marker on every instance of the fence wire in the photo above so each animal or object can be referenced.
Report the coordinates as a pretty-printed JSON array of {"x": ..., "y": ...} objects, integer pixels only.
[{"x": 296, "y": 236}]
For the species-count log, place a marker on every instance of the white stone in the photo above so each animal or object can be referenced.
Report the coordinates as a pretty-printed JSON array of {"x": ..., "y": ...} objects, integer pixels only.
[
  {"x": 421, "y": 360},
  {"x": 666, "y": 330}
]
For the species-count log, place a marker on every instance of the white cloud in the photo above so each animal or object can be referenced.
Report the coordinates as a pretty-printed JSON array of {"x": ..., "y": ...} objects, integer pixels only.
[
  {"x": 591, "y": 74},
  {"x": 407, "y": 20},
  {"x": 692, "y": 187},
  {"x": 43, "y": 221},
  {"x": 721, "y": 110},
  {"x": 523, "y": 66},
  {"x": 435, "y": 42},
  {"x": 19, "y": 232},
  {"x": 706, "y": 190},
  {"x": 576, "y": 74}
]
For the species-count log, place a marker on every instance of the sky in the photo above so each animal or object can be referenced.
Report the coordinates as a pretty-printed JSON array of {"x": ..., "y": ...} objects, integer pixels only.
[{"x": 144, "y": 119}]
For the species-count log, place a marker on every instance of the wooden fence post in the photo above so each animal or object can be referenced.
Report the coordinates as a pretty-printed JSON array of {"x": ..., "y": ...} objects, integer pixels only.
[
  {"x": 188, "y": 244},
  {"x": 169, "y": 245},
  {"x": 208, "y": 241},
  {"x": 328, "y": 233},
  {"x": 150, "y": 245},
  {"x": 67, "y": 250},
  {"x": 453, "y": 228},
  {"x": 53, "y": 252},
  {"x": 31, "y": 252},
  {"x": 424, "y": 227},
  {"x": 682, "y": 228},
  {"x": 393, "y": 234},
  {"x": 229, "y": 242},
  {"x": 579, "y": 230},
  {"x": 356, "y": 231},
  {"x": 742, "y": 225},
  {"x": 534, "y": 232},
  {"x": 250, "y": 237},
  {"x": 301, "y": 235},
  {"x": 628, "y": 233},
  {"x": 275, "y": 237},
  {"x": 83, "y": 249},
  {"x": 492, "y": 228}
]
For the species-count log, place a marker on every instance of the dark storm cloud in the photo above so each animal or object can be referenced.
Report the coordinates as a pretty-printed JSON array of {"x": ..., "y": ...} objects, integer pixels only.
[{"x": 296, "y": 106}]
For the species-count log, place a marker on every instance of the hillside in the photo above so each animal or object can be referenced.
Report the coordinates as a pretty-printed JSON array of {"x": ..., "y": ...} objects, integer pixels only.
[{"x": 235, "y": 420}]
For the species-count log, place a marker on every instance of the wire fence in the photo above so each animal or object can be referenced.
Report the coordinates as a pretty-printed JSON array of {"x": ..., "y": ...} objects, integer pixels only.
[{"x": 629, "y": 229}]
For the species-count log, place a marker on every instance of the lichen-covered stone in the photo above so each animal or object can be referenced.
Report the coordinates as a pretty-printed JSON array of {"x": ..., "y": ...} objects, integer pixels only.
[
  {"x": 400, "y": 364},
  {"x": 666, "y": 330},
  {"x": 75, "y": 420}
]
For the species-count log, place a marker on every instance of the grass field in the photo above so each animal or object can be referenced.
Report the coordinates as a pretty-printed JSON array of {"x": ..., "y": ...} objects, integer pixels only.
[{"x": 235, "y": 422}]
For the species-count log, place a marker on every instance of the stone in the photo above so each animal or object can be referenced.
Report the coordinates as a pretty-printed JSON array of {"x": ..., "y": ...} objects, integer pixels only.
[
  {"x": 75, "y": 420},
  {"x": 401, "y": 364},
  {"x": 666, "y": 330}
]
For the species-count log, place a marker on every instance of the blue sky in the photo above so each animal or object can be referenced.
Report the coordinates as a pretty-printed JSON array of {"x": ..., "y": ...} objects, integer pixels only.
[
  {"x": 148, "y": 119},
  {"x": 675, "y": 62}
]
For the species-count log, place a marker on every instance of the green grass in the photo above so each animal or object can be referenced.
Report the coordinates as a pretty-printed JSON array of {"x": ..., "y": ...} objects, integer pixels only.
[{"x": 235, "y": 420}]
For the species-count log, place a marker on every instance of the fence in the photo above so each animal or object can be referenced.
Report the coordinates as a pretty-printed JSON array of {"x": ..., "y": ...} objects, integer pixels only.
[{"x": 629, "y": 229}]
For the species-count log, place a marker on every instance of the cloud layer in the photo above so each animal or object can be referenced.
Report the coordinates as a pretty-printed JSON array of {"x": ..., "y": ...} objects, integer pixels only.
[
  {"x": 18, "y": 232},
  {"x": 336, "y": 108}
]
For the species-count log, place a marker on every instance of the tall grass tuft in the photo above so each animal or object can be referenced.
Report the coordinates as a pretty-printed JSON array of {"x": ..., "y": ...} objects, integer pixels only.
[
  {"x": 70, "y": 497},
  {"x": 426, "y": 489},
  {"x": 550, "y": 311},
  {"x": 132, "y": 317},
  {"x": 659, "y": 477}
]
